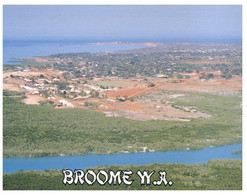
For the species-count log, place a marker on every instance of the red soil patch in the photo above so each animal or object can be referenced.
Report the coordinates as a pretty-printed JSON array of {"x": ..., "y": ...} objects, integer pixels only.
[
  {"x": 223, "y": 81},
  {"x": 132, "y": 92},
  {"x": 199, "y": 74},
  {"x": 128, "y": 92}
]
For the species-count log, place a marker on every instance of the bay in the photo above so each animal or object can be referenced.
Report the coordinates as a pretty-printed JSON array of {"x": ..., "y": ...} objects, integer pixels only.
[{"x": 13, "y": 49}]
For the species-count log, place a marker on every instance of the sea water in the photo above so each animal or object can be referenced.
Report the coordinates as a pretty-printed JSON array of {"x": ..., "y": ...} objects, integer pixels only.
[
  {"x": 13, "y": 49},
  {"x": 14, "y": 164}
]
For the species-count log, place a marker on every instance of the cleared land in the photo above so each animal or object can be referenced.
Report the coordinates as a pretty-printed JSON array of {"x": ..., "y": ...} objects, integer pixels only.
[{"x": 139, "y": 108}]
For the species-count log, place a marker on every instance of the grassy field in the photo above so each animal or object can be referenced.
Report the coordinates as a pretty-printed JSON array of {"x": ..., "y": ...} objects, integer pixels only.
[
  {"x": 214, "y": 175},
  {"x": 7, "y": 93},
  {"x": 33, "y": 130}
]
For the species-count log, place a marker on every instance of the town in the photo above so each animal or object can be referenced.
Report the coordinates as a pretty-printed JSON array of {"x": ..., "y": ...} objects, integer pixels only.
[{"x": 69, "y": 80}]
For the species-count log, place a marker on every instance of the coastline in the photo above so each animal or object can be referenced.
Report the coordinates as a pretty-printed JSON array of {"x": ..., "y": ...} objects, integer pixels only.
[
  {"x": 37, "y": 50},
  {"x": 124, "y": 43}
]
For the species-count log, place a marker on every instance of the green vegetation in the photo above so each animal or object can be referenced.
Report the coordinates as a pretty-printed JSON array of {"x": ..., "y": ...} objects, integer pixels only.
[
  {"x": 91, "y": 105},
  {"x": 237, "y": 151},
  {"x": 151, "y": 84},
  {"x": 207, "y": 76},
  {"x": 12, "y": 93},
  {"x": 214, "y": 175},
  {"x": 34, "y": 130},
  {"x": 87, "y": 104},
  {"x": 27, "y": 62},
  {"x": 48, "y": 102},
  {"x": 94, "y": 94},
  {"x": 132, "y": 99}
]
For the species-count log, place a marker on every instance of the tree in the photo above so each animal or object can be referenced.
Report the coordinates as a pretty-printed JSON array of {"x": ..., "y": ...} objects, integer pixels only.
[
  {"x": 131, "y": 99},
  {"x": 151, "y": 84},
  {"x": 210, "y": 76}
]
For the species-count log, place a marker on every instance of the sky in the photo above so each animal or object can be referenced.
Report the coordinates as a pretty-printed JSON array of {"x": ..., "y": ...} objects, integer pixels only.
[{"x": 124, "y": 23}]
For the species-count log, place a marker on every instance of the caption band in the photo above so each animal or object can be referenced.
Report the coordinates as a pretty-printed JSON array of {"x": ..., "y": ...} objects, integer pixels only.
[{"x": 103, "y": 177}]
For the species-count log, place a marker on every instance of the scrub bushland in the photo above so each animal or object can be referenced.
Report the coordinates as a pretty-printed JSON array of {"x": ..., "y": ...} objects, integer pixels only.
[{"x": 42, "y": 130}]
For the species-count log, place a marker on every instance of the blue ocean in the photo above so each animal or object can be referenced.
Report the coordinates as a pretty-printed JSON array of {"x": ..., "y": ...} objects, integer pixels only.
[{"x": 13, "y": 49}]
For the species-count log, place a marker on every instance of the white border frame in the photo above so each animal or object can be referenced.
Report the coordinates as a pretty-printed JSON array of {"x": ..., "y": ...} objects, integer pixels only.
[{"x": 138, "y": 2}]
